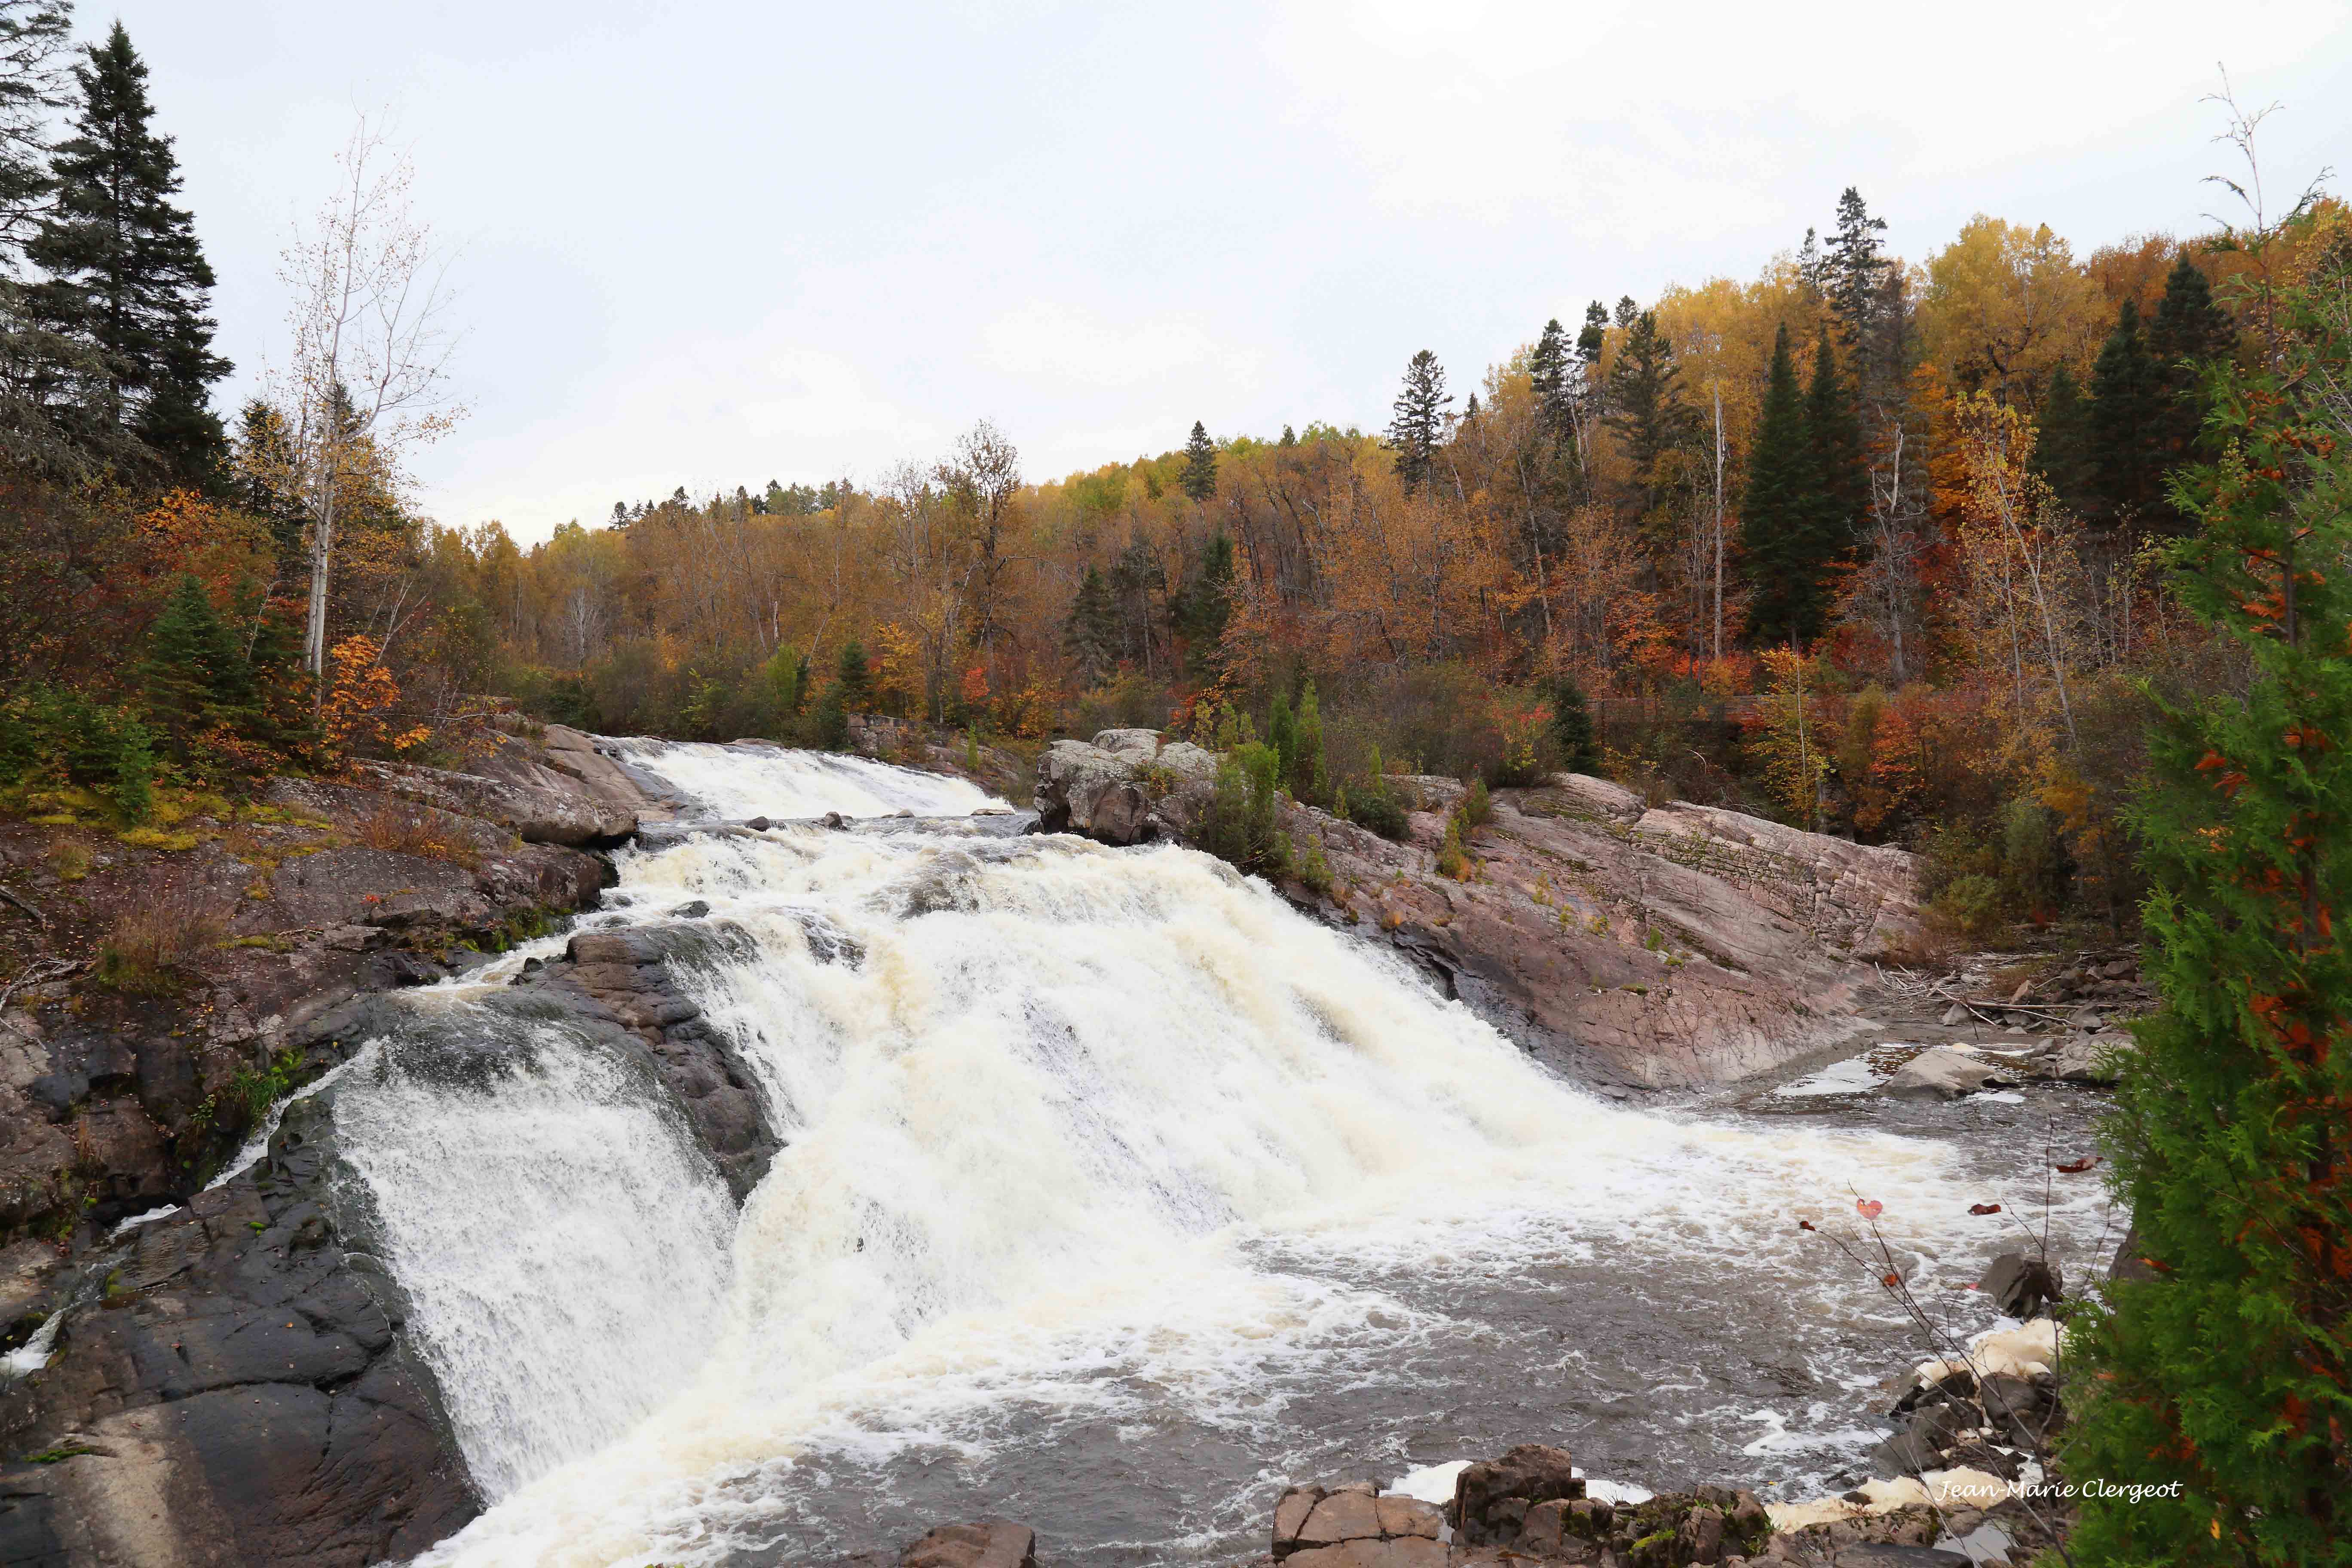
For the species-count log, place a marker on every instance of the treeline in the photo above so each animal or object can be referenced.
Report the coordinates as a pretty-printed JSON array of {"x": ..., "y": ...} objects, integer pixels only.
[
  {"x": 173, "y": 616},
  {"x": 1865, "y": 544}
]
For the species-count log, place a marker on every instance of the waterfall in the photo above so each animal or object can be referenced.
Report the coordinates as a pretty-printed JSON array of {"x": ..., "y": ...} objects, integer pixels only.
[
  {"x": 1098, "y": 1163},
  {"x": 737, "y": 782}
]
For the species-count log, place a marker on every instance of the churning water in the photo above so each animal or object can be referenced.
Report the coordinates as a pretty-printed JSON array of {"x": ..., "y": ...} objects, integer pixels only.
[{"x": 1115, "y": 1194}]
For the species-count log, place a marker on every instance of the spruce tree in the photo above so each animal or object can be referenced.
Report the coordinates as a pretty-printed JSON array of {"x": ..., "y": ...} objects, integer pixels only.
[
  {"x": 1207, "y": 605},
  {"x": 126, "y": 276},
  {"x": 1834, "y": 436},
  {"x": 1310, "y": 780},
  {"x": 1418, "y": 421},
  {"x": 1572, "y": 727},
  {"x": 1779, "y": 511},
  {"x": 1282, "y": 734},
  {"x": 1199, "y": 479},
  {"x": 855, "y": 681},
  {"x": 1645, "y": 406},
  {"x": 2127, "y": 405},
  {"x": 2225, "y": 1375},
  {"x": 2189, "y": 331},
  {"x": 1091, "y": 634},
  {"x": 1855, "y": 273},
  {"x": 31, "y": 34},
  {"x": 194, "y": 676},
  {"x": 2062, "y": 448},
  {"x": 1549, "y": 375}
]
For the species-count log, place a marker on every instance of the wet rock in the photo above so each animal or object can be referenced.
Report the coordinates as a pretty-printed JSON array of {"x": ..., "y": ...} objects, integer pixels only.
[
  {"x": 1941, "y": 1074},
  {"x": 1492, "y": 1497},
  {"x": 622, "y": 981},
  {"x": 1350, "y": 1526},
  {"x": 2080, "y": 1058},
  {"x": 989, "y": 1544},
  {"x": 1088, "y": 790},
  {"x": 1881, "y": 1554},
  {"x": 247, "y": 1382},
  {"x": 1954, "y": 1016},
  {"x": 2023, "y": 1287},
  {"x": 694, "y": 909}
]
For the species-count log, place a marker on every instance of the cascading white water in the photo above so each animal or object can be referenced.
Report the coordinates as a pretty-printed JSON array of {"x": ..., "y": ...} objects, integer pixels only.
[
  {"x": 1084, "y": 1148},
  {"x": 565, "y": 1242},
  {"x": 737, "y": 782}
]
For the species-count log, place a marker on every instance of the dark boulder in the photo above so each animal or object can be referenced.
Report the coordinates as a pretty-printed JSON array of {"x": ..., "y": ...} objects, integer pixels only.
[{"x": 2023, "y": 1287}]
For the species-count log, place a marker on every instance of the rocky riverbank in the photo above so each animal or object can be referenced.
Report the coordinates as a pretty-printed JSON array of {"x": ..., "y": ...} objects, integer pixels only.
[
  {"x": 1621, "y": 943},
  {"x": 228, "y": 1381}
]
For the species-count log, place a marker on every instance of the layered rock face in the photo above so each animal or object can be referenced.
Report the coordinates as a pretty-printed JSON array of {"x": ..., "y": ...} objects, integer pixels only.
[
  {"x": 238, "y": 1393},
  {"x": 228, "y": 1383},
  {"x": 1659, "y": 947}
]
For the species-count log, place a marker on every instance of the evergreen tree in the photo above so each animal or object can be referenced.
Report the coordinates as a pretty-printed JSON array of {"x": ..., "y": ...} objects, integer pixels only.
[
  {"x": 1282, "y": 734},
  {"x": 1309, "y": 781},
  {"x": 1199, "y": 479},
  {"x": 1645, "y": 406},
  {"x": 1572, "y": 727},
  {"x": 2126, "y": 406},
  {"x": 2223, "y": 1375},
  {"x": 1419, "y": 418},
  {"x": 1551, "y": 378},
  {"x": 2190, "y": 331},
  {"x": 194, "y": 674},
  {"x": 1207, "y": 605},
  {"x": 1781, "y": 511},
  {"x": 31, "y": 34},
  {"x": 855, "y": 682},
  {"x": 1289, "y": 437},
  {"x": 1854, "y": 275},
  {"x": 264, "y": 463},
  {"x": 2061, "y": 447},
  {"x": 1834, "y": 436},
  {"x": 125, "y": 275},
  {"x": 1091, "y": 634}
]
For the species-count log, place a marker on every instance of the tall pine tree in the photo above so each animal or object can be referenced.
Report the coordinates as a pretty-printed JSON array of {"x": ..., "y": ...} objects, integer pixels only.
[
  {"x": 1645, "y": 405},
  {"x": 1200, "y": 478},
  {"x": 125, "y": 275},
  {"x": 1834, "y": 437},
  {"x": 2189, "y": 333},
  {"x": 1854, "y": 275},
  {"x": 1780, "y": 512},
  {"x": 1550, "y": 377},
  {"x": 2126, "y": 406},
  {"x": 2062, "y": 449},
  {"x": 1418, "y": 423},
  {"x": 1091, "y": 635}
]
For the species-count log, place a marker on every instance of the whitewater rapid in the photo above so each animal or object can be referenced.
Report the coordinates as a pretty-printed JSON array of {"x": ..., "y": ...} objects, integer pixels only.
[{"x": 1112, "y": 1189}]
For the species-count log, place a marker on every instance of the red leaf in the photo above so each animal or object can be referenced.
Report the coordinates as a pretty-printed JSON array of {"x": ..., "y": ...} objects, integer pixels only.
[
  {"x": 1869, "y": 1208},
  {"x": 2078, "y": 1166},
  {"x": 1984, "y": 1208},
  {"x": 1804, "y": 1225},
  {"x": 1891, "y": 1281}
]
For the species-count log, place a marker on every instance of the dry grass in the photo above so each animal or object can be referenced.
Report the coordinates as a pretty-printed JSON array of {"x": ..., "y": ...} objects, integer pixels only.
[
  {"x": 154, "y": 937},
  {"x": 406, "y": 829}
]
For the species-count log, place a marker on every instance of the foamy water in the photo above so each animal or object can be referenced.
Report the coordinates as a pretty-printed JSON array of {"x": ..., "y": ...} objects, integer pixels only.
[{"x": 1113, "y": 1190}]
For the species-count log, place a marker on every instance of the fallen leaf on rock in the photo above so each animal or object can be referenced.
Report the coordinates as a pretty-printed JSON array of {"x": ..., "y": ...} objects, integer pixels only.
[
  {"x": 1871, "y": 1208},
  {"x": 1984, "y": 1208},
  {"x": 2077, "y": 1166}
]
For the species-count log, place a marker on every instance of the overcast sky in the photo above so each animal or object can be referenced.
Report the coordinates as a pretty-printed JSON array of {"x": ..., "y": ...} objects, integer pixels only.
[{"x": 713, "y": 244}]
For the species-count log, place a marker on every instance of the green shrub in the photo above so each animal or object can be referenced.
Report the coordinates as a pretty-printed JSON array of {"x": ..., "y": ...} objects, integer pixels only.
[
  {"x": 1370, "y": 802},
  {"x": 1237, "y": 822},
  {"x": 1477, "y": 806},
  {"x": 1971, "y": 904}
]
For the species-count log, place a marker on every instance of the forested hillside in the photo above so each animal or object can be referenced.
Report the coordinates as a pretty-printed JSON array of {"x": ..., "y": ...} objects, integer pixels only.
[
  {"x": 1866, "y": 543},
  {"x": 1909, "y": 510}
]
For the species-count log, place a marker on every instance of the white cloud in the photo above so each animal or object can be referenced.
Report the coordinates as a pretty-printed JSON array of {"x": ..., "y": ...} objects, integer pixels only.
[{"x": 1082, "y": 347}]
